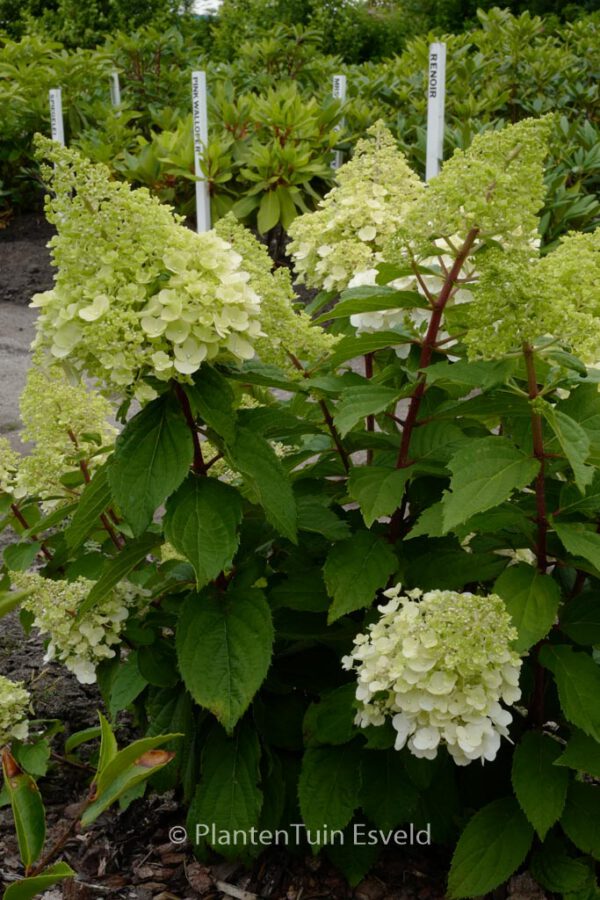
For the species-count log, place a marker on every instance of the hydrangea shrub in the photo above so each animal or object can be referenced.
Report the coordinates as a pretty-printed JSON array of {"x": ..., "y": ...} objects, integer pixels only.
[{"x": 351, "y": 590}]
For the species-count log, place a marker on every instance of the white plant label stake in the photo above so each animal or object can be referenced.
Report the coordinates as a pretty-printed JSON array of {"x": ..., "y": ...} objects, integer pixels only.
[
  {"x": 200, "y": 117},
  {"x": 338, "y": 93},
  {"x": 115, "y": 89},
  {"x": 436, "y": 98},
  {"x": 57, "y": 128}
]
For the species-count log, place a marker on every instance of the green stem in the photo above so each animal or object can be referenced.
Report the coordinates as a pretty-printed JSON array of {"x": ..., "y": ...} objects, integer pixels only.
[{"x": 328, "y": 418}]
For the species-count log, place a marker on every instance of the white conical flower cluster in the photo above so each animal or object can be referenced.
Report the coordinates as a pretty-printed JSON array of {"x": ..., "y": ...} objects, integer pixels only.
[
  {"x": 439, "y": 664},
  {"x": 14, "y": 701},
  {"x": 137, "y": 295},
  {"x": 354, "y": 222}
]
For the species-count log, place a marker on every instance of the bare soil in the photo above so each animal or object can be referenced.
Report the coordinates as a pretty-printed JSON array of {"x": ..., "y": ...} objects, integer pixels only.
[{"x": 24, "y": 258}]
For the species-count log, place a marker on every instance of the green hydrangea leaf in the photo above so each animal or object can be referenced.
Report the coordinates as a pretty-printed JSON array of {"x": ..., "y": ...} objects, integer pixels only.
[
  {"x": 355, "y": 570},
  {"x": 555, "y": 870},
  {"x": 152, "y": 457},
  {"x": 469, "y": 374},
  {"x": 202, "y": 521},
  {"x": 582, "y": 753},
  {"x": 492, "y": 846},
  {"x": 371, "y": 299},
  {"x": 331, "y": 720},
  {"x": 583, "y": 406},
  {"x": 212, "y": 398},
  {"x": 540, "y": 786},
  {"x": 388, "y": 796},
  {"x": 28, "y": 888},
  {"x": 20, "y": 556},
  {"x": 532, "y": 600},
  {"x": 574, "y": 443},
  {"x": 267, "y": 480},
  {"x": 580, "y": 619},
  {"x": 224, "y": 645},
  {"x": 580, "y": 541},
  {"x": 27, "y": 809},
  {"x": 581, "y": 818},
  {"x": 352, "y": 347},
  {"x": 118, "y": 567},
  {"x": 314, "y": 515},
  {"x": 358, "y": 402},
  {"x": 228, "y": 794},
  {"x": 329, "y": 788},
  {"x": 377, "y": 490},
  {"x": 485, "y": 472},
  {"x": 95, "y": 498},
  {"x": 578, "y": 681}
]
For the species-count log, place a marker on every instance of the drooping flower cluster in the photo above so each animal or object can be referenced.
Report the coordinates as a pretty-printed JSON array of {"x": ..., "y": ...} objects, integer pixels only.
[
  {"x": 67, "y": 423},
  {"x": 285, "y": 330},
  {"x": 522, "y": 297},
  {"x": 80, "y": 644},
  {"x": 439, "y": 664},
  {"x": 14, "y": 701},
  {"x": 355, "y": 221},
  {"x": 136, "y": 294},
  {"x": 9, "y": 466}
]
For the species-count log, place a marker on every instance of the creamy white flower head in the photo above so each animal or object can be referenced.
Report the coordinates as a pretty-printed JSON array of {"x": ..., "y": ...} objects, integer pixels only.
[
  {"x": 438, "y": 664},
  {"x": 348, "y": 231},
  {"x": 14, "y": 702},
  {"x": 80, "y": 644}
]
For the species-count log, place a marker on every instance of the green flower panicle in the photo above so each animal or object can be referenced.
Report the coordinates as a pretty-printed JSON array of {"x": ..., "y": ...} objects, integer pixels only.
[
  {"x": 356, "y": 219},
  {"x": 9, "y": 466},
  {"x": 69, "y": 425},
  {"x": 522, "y": 297},
  {"x": 14, "y": 703},
  {"x": 495, "y": 186}
]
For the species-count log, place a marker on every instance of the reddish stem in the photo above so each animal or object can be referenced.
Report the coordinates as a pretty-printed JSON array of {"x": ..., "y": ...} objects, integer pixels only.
[
  {"x": 371, "y": 418},
  {"x": 538, "y": 452},
  {"x": 85, "y": 471},
  {"x": 536, "y": 709},
  {"x": 427, "y": 350},
  {"x": 23, "y": 521},
  {"x": 198, "y": 464},
  {"x": 429, "y": 345}
]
